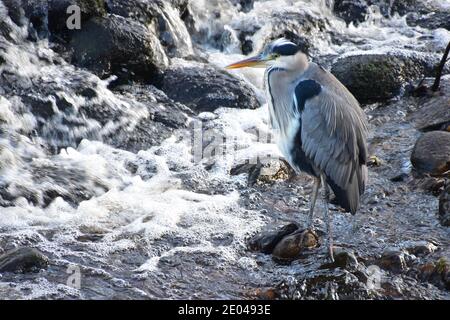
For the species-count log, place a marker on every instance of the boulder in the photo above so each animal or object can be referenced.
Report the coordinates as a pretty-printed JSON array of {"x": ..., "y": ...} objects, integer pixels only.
[
  {"x": 205, "y": 88},
  {"x": 351, "y": 10},
  {"x": 163, "y": 18},
  {"x": 57, "y": 15},
  {"x": 431, "y": 153},
  {"x": 114, "y": 45},
  {"x": 433, "y": 20},
  {"x": 377, "y": 77},
  {"x": 433, "y": 112},
  {"x": 163, "y": 117},
  {"x": 23, "y": 259}
]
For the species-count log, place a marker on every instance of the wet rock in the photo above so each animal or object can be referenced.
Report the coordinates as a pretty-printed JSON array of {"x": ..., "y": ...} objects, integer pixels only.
[
  {"x": 351, "y": 10},
  {"x": 50, "y": 181},
  {"x": 431, "y": 153},
  {"x": 437, "y": 273},
  {"x": 163, "y": 118},
  {"x": 164, "y": 20},
  {"x": 444, "y": 206},
  {"x": 420, "y": 247},
  {"x": 40, "y": 107},
  {"x": 433, "y": 112},
  {"x": 123, "y": 47},
  {"x": 23, "y": 259},
  {"x": 334, "y": 284},
  {"x": 245, "y": 5},
  {"x": 393, "y": 260},
  {"x": 343, "y": 258},
  {"x": 433, "y": 20},
  {"x": 57, "y": 15},
  {"x": 266, "y": 242},
  {"x": 205, "y": 88},
  {"x": 290, "y": 247},
  {"x": 264, "y": 172},
  {"x": 379, "y": 77}
]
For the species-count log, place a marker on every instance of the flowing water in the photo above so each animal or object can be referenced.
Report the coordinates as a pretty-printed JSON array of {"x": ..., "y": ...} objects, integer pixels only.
[{"x": 172, "y": 228}]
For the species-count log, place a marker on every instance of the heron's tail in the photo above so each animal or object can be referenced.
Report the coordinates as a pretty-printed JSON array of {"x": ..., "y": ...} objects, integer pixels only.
[{"x": 348, "y": 198}]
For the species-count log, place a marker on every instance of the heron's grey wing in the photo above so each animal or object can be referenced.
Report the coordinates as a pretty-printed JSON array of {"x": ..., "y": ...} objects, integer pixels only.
[{"x": 333, "y": 131}]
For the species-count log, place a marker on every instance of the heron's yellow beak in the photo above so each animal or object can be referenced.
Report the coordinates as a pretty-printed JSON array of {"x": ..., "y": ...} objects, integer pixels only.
[{"x": 255, "y": 62}]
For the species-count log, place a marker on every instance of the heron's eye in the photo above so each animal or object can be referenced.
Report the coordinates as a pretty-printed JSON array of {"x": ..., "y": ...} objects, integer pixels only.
[{"x": 276, "y": 55}]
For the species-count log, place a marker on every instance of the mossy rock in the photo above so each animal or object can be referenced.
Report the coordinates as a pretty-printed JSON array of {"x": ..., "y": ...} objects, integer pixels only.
[{"x": 380, "y": 77}]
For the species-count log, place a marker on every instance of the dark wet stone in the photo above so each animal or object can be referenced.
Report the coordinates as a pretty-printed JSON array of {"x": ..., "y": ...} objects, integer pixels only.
[
  {"x": 329, "y": 284},
  {"x": 380, "y": 77},
  {"x": 433, "y": 112},
  {"x": 169, "y": 29},
  {"x": 39, "y": 107},
  {"x": 444, "y": 206},
  {"x": 420, "y": 247},
  {"x": 205, "y": 88},
  {"x": 432, "y": 20},
  {"x": 431, "y": 153},
  {"x": 393, "y": 260},
  {"x": 164, "y": 116},
  {"x": 114, "y": 45},
  {"x": 267, "y": 241},
  {"x": 351, "y": 10},
  {"x": 245, "y": 5},
  {"x": 23, "y": 259},
  {"x": 90, "y": 237},
  {"x": 343, "y": 258},
  {"x": 57, "y": 15},
  {"x": 291, "y": 246},
  {"x": 437, "y": 273}
]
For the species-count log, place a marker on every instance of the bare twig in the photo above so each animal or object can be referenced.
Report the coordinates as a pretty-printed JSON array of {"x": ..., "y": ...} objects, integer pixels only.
[{"x": 440, "y": 69}]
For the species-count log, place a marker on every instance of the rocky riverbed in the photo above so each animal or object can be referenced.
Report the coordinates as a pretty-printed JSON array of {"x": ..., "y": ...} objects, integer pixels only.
[{"x": 133, "y": 166}]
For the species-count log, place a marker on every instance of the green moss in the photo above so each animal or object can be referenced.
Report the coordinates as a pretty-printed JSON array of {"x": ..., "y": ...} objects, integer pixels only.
[{"x": 441, "y": 265}]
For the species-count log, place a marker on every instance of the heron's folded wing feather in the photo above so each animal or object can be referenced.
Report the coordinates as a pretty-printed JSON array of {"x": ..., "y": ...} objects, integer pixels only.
[{"x": 333, "y": 136}]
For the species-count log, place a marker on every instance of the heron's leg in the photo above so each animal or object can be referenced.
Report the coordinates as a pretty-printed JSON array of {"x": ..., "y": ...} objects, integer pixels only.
[
  {"x": 313, "y": 199},
  {"x": 327, "y": 217}
]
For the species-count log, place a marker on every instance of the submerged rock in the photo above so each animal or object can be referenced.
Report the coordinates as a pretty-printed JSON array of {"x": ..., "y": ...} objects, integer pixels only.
[
  {"x": 205, "y": 88},
  {"x": 431, "y": 153},
  {"x": 23, "y": 259},
  {"x": 114, "y": 45},
  {"x": 379, "y": 77}
]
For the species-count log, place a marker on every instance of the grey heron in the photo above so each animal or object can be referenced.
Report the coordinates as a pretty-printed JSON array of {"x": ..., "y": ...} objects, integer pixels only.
[{"x": 319, "y": 125}]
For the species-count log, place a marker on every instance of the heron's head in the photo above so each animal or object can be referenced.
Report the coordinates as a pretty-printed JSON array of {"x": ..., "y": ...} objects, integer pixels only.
[{"x": 279, "y": 53}]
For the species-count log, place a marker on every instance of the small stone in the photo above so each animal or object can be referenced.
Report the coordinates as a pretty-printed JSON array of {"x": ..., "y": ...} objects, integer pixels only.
[
  {"x": 420, "y": 247},
  {"x": 292, "y": 245},
  {"x": 393, "y": 260},
  {"x": 431, "y": 153},
  {"x": 23, "y": 259},
  {"x": 266, "y": 242},
  {"x": 343, "y": 258}
]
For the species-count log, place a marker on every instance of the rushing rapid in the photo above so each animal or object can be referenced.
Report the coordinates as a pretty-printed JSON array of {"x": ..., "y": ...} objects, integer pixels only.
[{"x": 161, "y": 222}]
